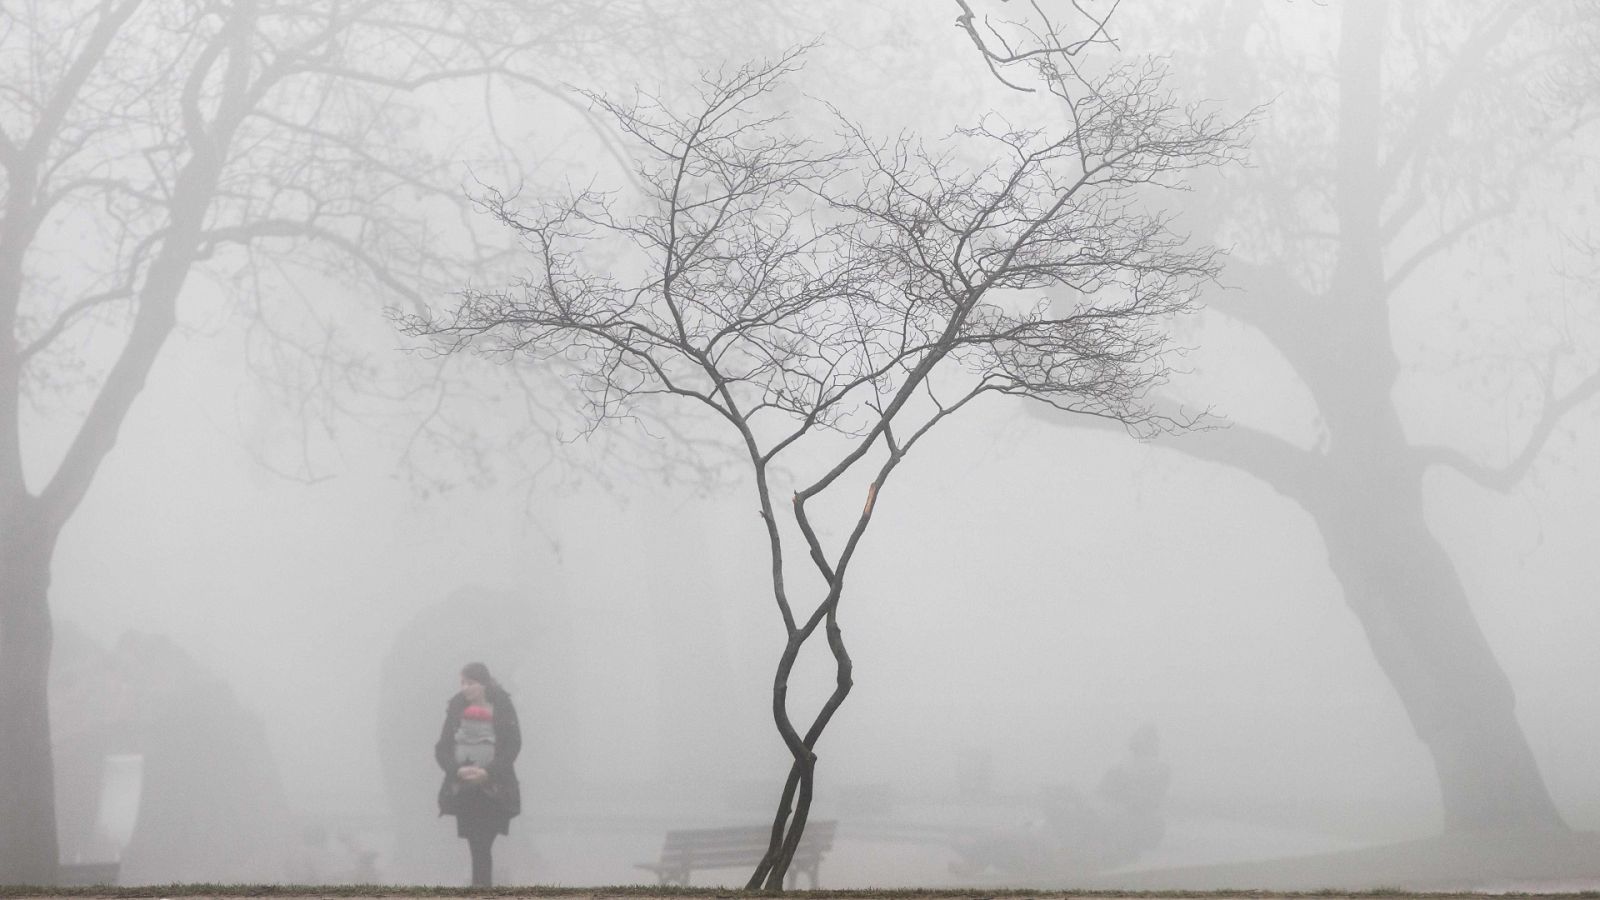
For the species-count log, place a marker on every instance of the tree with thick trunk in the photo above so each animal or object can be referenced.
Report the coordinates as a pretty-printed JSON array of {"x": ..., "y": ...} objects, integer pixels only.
[
  {"x": 1334, "y": 234},
  {"x": 830, "y": 304},
  {"x": 144, "y": 140},
  {"x": 1364, "y": 487}
]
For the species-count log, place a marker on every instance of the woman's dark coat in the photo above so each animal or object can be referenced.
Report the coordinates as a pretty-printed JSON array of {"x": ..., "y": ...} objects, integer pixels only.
[{"x": 502, "y": 784}]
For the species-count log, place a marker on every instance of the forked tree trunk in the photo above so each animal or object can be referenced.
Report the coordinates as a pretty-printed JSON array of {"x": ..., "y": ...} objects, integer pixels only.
[
  {"x": 794, "y": 804},
  {"x": 28, "y": 848},
  {"x": 786, "y": 831}
]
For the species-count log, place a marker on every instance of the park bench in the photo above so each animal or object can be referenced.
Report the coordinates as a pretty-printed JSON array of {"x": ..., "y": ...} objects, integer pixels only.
[{"x": 686, "y": 851}]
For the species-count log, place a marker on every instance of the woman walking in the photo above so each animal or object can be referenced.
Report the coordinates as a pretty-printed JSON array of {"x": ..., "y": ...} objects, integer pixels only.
[{"x": 477, "y": 746}]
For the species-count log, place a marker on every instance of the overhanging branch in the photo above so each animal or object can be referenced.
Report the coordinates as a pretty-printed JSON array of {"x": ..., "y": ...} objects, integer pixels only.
[
  {"x": 1286, "y": 468},
  {"x": 1503, "y": 478}
]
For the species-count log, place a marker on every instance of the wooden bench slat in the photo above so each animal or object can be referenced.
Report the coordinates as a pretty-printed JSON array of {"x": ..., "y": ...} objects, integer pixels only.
[
  {"x": 687, "y": 850},
  {"x": 760, "y": 833},
  {"x": 751, "y": 851}
]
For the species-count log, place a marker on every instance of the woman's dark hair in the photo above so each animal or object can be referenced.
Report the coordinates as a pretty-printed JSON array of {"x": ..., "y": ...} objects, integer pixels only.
[{"x": 479, "y": 672}]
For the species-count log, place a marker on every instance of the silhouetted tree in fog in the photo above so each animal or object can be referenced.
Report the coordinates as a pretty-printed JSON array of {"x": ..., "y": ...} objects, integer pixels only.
[
  {"x": 141, "y": 140},
  {"x": 832, "y": 302},
  {"x": 1435, "y": 123}
]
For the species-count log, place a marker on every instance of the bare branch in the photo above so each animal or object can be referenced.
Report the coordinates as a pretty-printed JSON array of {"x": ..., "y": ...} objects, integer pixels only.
[
  {"x": 1433, "y": 110},
  {"x": 1447, "y": 238},
  {"x": 1503, "y": 478},
  {"x": 1049, "y": 44},
  {"x": 71, "y": 314}
]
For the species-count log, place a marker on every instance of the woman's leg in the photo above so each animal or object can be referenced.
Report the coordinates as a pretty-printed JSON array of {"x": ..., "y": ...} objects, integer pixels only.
[{"x": 478, "y": 842}]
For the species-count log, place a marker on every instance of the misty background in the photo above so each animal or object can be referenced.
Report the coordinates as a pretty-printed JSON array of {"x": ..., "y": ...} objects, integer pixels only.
[{"x": 308, "y": 575}]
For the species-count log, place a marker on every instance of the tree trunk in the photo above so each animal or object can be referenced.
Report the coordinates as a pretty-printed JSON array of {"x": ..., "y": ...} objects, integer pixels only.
[
  {"x": 786, "y": 831},
  {"x": 1405, "y": 591},
  {"x": 797, "y": 827},
  {"x": 1396, "y": 577},
  {"x": 28, "y": 850},
  {"x": 1365, "y": 492},
  {"x": 773, "y": 869},
  {"x": 797, "y": 788}
]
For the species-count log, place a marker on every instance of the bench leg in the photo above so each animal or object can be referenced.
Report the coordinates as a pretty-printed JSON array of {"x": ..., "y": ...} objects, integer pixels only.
[{"x": 792, "y": 877}]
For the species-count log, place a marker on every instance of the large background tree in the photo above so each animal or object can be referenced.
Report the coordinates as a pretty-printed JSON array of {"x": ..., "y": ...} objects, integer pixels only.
[
  {"x": 144, "y": 142},
  {"x": 832, "y": 303},
  {"x": 1407, "y": 143}
]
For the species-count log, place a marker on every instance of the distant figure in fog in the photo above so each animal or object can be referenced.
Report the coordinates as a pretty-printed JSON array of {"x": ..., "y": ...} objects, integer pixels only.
[
  {"x": 1077, "y": 834},
  {"x": 477, "y": 747},
  {"x": 1132, "y": 798}
]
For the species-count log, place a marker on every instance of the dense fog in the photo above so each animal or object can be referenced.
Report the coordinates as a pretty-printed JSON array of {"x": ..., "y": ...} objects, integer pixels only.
[{"x": 312, "y": 519}]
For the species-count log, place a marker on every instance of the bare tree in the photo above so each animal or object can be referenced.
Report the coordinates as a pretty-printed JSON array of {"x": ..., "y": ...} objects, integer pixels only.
[
  {"x": 833, "y": 302},
  {"x": 144, "y": 141},
  {"x": 1431, "y": 128}
]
